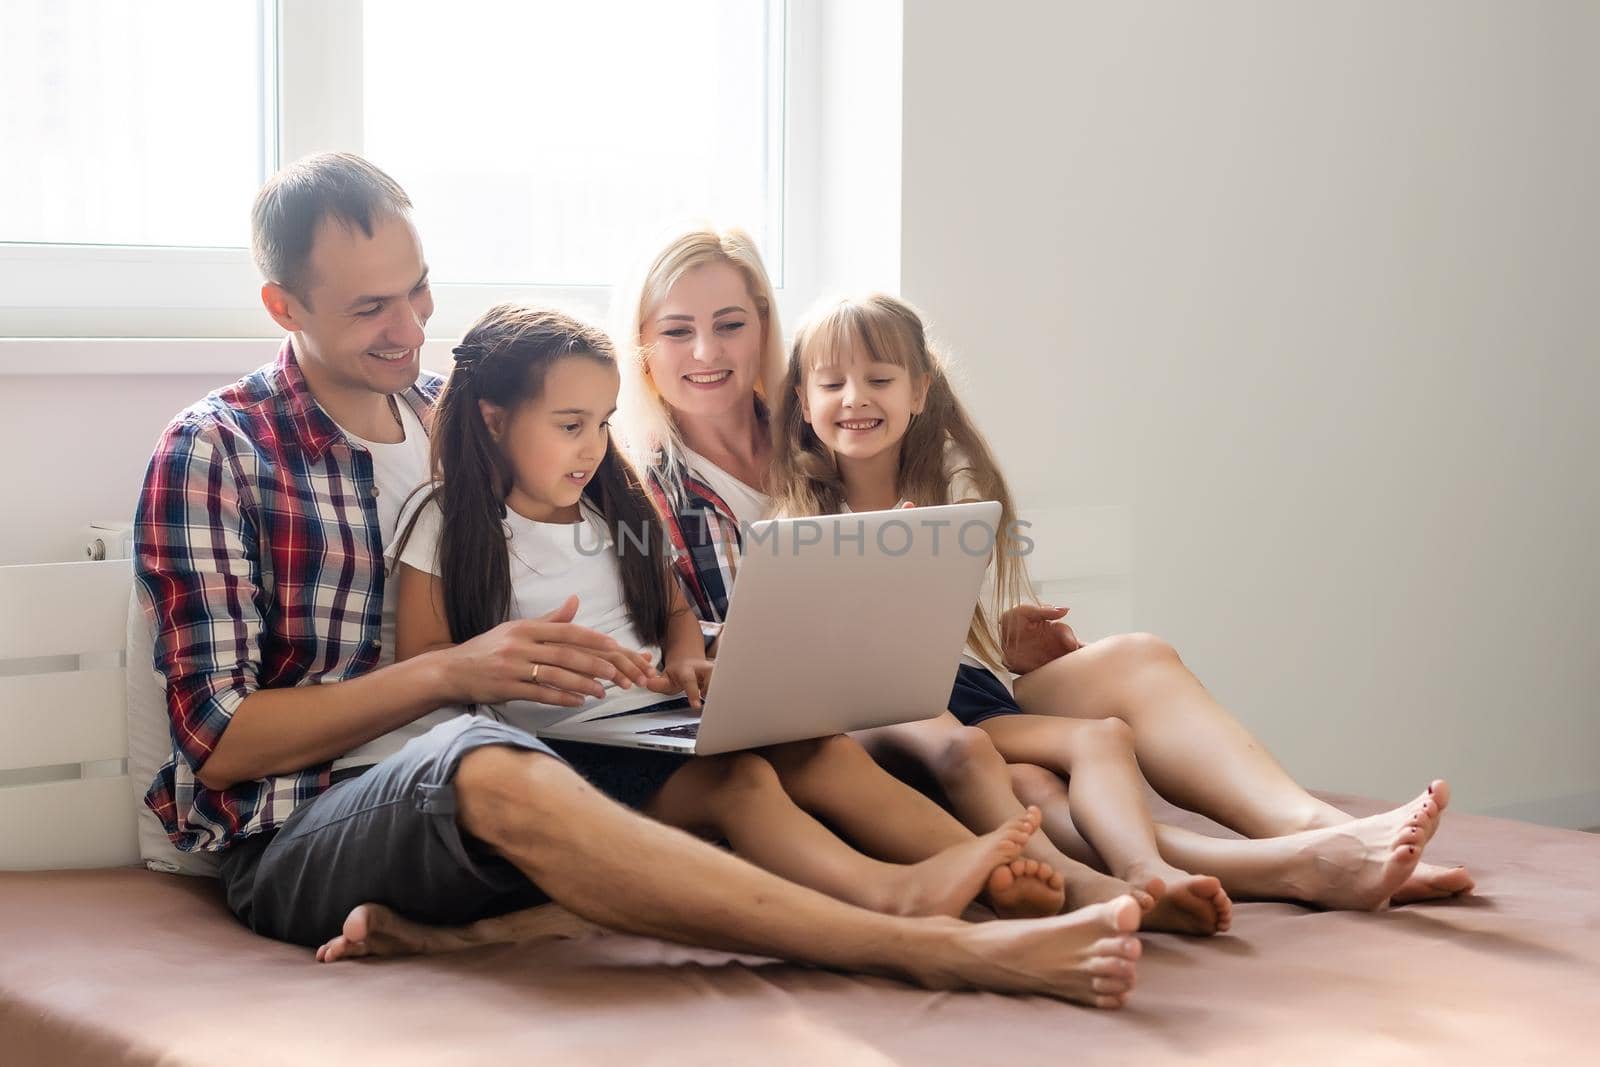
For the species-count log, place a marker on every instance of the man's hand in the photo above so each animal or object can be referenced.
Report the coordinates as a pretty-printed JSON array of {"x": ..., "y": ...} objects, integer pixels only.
[
  {"x": 1032, "y": 635},
  {"x": 690, "y": 676},
  {"x": 548, "y": 660}
]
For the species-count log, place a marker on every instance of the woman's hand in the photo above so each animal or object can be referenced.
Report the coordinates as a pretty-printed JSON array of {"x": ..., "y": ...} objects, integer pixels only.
[
  {"x": 689, "y": 675},
  {"x": 1032, "y": 635}
]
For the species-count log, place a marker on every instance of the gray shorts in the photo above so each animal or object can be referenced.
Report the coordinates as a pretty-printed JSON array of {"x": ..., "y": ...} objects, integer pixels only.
[{"x": 386, "y": 836}]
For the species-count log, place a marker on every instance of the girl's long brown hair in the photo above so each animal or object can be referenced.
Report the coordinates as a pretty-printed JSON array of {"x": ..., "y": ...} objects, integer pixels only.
[
  {"x": 504, "y": 359},
  {"x": 806, "y": 478}
]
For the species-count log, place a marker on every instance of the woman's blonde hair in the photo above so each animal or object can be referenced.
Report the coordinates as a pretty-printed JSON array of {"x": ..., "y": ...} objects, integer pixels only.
[
  {"x": 806, "y": 478},
  {"x": 649, "y": 430}
]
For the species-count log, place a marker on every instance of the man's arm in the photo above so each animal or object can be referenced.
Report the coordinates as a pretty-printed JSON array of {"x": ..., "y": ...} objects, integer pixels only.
[{"x": 198, "y": 551}]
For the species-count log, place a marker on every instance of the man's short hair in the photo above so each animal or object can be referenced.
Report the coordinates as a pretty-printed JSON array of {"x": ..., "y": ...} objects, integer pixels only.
[{"x": 337, "y": 185}]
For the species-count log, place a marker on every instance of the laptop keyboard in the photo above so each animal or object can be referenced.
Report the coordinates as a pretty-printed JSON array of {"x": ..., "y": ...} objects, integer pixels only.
[{"x": 688, "y": 729}]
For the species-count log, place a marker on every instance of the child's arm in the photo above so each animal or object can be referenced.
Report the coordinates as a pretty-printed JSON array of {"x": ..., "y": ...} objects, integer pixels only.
[
  {"x": 419, "y": 620},
  {"x": 686, "y": 668}
]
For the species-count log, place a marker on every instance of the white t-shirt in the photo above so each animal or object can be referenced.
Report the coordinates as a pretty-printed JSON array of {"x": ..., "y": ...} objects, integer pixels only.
[
  {"x": 748, "y": 503},
  {"x": 551, "y": 561},
  {"x": 397, "y": 470}
]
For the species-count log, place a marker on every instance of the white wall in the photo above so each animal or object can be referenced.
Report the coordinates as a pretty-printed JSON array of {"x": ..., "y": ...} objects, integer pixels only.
[
  {"x": 1308, "y": 288},
  {"x": 75, "y": 450}
]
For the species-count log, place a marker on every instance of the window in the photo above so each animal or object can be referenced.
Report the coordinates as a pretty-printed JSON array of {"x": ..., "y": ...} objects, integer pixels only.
[{"x": 540, "y": 141}]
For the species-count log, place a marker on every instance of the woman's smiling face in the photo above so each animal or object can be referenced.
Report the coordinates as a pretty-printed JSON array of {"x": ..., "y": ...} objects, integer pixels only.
[{"x": 704, "y": 343}]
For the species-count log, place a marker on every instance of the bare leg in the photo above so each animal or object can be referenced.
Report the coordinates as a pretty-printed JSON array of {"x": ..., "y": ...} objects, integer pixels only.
[
  {"x": 835, "y": 778},
  {"x": 977, "y": 784},
  {"x": 1108, "y": 804},
  {"x": 1357, "y": 865},
  {"x": 1350, "y": 866},
  {"x": 1192, "y": 750},
  {"x": 739, "y": 797},
  {"x": 623, "y": 871}
]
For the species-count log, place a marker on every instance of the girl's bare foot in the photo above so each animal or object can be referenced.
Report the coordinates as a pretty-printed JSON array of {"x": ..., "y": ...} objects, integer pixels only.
[
  {"x": 1086, "y": 956},
  {"x": 1184, "y": 903},
  {"x": 1361, "y": 864},
  {"x": 946, "y": 883},
  {"x": 1430, "y": 881},
  {"x": 1025, "y": 888},
  {"x": 374, "y": 930}
]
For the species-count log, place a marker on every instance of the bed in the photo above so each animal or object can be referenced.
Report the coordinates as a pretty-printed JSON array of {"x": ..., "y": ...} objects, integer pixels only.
[{"x": 112, "y": 964}]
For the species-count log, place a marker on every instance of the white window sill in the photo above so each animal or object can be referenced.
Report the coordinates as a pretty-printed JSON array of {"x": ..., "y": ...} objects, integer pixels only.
[{"x": 221, "y": 358}]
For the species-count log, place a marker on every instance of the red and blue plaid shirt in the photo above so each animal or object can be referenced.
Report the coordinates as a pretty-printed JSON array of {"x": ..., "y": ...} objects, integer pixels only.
[
  {"x": 257, "y": 546},
  {"x": 704, "y": 535}
]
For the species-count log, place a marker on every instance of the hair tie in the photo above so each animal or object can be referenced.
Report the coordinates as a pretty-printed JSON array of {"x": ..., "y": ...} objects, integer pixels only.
[{"x": 467, "y": 353}]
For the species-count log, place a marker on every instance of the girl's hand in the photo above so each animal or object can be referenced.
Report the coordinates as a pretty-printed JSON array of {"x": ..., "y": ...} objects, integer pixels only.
[
  {"x": 690, "y": 676},
  {"x": 1032, "y": 635}
]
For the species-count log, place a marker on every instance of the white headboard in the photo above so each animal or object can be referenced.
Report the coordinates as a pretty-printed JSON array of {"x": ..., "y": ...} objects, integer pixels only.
[{"x": 65, "y": 796}]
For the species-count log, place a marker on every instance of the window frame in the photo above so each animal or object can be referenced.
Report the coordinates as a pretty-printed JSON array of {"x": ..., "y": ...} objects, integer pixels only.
[{"x": 76, "y": 293}]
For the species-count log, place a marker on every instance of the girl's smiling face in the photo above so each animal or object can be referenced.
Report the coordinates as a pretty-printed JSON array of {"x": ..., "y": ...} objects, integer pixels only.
[
  {"x": 859, "y": 407},
  {"x": 554, "y": 443},
  {"x": 704, "y": 342}
]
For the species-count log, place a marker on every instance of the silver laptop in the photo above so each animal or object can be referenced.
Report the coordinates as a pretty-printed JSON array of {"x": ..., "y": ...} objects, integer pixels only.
[{"x": 837, "y": 623}]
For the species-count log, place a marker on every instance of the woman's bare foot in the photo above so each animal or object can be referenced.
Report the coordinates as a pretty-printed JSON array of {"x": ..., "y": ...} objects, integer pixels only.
[
  {"x": 1430, "y": 881},
  {"x": 1184, "y": 903},
  {"x": 1025, "y": 888},
  {"x": 946, "y": 883},
  {"x": 374, "y": 930},
  {"x": 1086, "y": 956},
  {"x": 1361, "y": 864}
]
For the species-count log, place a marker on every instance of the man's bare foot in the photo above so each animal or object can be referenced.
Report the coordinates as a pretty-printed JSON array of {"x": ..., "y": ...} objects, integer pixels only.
[
  {"x": 946, "y": 883},
  {"x": 1086, "y": 956},
  {"x": 1433, "y": 882},
  {"x": 1025, "y": 888},
  {"x": 1185, "y": 903},
  {"x": 374, "y": 930},
  {"x": 1361, "y": 864}
]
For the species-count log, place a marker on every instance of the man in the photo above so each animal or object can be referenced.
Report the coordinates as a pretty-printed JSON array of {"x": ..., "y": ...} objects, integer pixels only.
[{"x": 327, "y": 775}]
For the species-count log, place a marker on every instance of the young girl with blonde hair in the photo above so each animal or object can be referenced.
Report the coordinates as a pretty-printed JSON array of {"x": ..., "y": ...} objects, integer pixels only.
[{"x": 867, "y": 421}]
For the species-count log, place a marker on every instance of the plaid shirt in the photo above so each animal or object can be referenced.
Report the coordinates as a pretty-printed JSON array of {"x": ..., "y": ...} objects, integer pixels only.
[
  {"x": 258, "y": 547},
  {"x": 705, "y": 541}
]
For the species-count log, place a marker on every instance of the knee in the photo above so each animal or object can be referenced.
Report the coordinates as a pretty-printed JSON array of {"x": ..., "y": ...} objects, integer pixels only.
[
  {"x": 1131, "y": 651},
  {"x": 1106, "y": 735},
  {"x": 507, "y": 796},
  {"x": 744, "y": 774},
  {"x": 962, "y": 753},
  {"x": 1035, "y": 785}
]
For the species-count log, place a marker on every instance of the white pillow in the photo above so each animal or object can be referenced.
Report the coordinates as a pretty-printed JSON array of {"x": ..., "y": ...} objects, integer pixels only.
[{"x": 150, "y": 746}]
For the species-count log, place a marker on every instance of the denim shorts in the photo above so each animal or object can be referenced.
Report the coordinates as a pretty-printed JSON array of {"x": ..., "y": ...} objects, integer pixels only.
[
  {"x": 386, "y": 835},
  {"x": 979, "y": 695}
]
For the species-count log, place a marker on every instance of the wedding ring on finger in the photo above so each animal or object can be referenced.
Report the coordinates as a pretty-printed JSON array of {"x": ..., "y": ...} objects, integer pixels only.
[{"x": 534, "y": 676}]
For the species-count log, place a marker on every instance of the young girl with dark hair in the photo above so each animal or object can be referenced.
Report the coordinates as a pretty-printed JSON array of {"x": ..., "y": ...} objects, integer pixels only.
[{"x": 531, "y": 504}]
